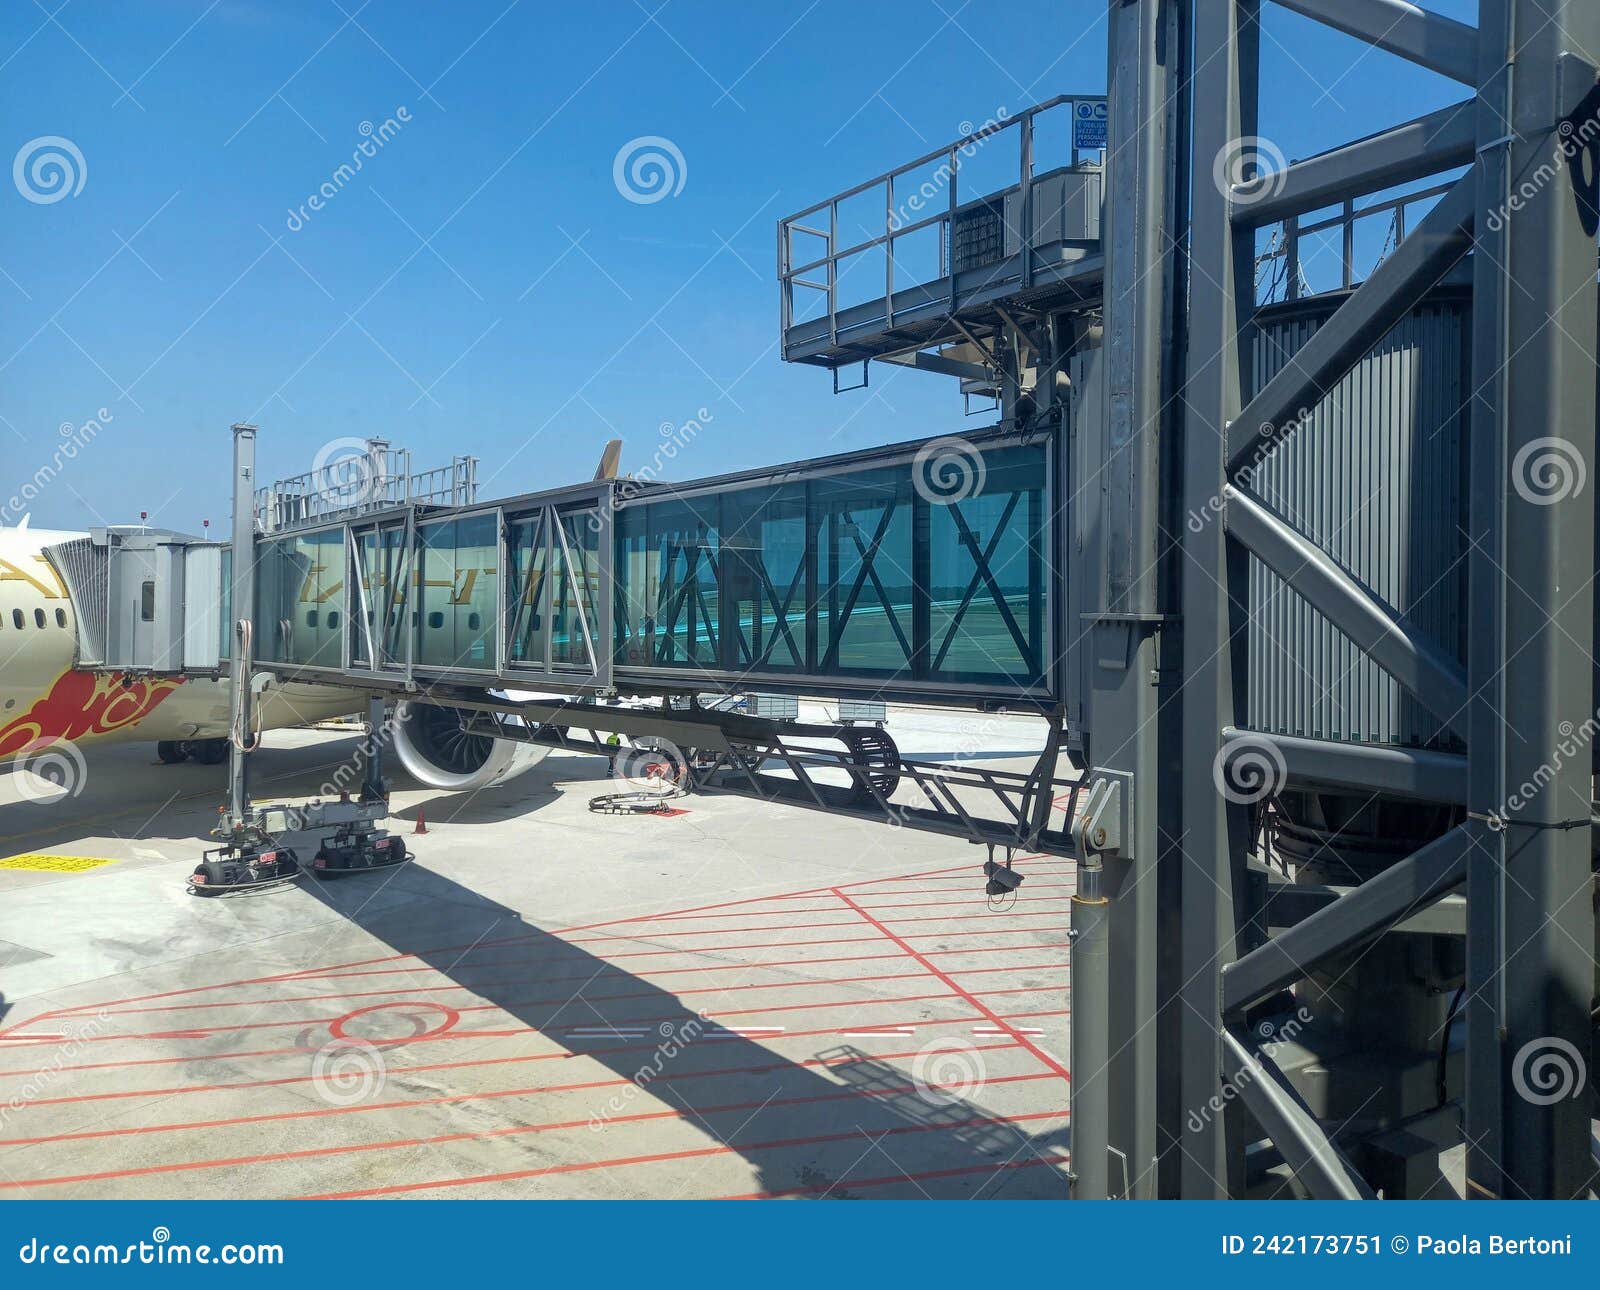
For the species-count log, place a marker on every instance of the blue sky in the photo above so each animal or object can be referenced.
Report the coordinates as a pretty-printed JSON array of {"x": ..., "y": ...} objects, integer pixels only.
[{"x": 482, "y": 286}]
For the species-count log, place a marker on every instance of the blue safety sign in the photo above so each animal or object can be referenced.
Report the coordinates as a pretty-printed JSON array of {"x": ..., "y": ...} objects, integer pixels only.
[{"x": 1089, "y": 124}]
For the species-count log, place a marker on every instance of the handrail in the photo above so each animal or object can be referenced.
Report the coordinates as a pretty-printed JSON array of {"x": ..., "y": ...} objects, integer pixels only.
[
  {"x": 1285, "y": 243},
  {"x": 982, "y": 132},
  {"x": 792, "y": 275}
]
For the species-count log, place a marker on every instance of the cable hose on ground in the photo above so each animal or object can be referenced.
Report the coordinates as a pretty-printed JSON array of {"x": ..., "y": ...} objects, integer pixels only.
[{"x": 238, "y": 735}]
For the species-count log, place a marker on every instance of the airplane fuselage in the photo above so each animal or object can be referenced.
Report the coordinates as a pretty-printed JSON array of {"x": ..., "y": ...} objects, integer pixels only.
[{"x": 44, "y": 697}]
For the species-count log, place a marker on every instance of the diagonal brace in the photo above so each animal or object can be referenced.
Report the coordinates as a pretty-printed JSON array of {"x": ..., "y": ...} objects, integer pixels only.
[
  {"x": 1440, "y": 239},
  {"x": 1411, "y": 657},
  {"x": 1367, "y": 911},
  {"x": 1317, "y": 1162},
  {"x": 1430, "y": 40}
]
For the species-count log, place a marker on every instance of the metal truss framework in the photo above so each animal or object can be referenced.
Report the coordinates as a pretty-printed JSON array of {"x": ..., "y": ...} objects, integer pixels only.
[{"x": 1525, "y": 863}]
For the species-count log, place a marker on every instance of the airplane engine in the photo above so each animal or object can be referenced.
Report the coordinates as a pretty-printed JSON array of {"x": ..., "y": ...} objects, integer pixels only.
[{"x": 435, "y": 750}]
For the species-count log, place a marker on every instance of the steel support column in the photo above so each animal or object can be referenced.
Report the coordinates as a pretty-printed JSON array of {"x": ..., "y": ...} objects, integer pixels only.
[
  {"x": 1530, "y": 913},
  {"x": 1125, "y": 596},
  {"x": 1226, "y": 58},
  {"x": 241, "y": 634}
]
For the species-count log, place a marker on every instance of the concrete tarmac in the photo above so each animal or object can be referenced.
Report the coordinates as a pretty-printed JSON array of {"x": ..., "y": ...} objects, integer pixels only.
[{"x": 743, "y": 1000}]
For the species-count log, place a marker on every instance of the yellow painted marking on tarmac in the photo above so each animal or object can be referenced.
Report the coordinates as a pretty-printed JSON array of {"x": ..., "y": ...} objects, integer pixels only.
[{"x": 38, "y": 863}]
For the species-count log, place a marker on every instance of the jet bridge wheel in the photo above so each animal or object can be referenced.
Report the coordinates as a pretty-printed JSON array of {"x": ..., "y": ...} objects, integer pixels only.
[{"x": 875, "y": 753}]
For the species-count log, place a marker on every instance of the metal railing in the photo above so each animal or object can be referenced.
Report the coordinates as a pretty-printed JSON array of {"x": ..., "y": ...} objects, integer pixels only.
[
  {"x": 1281, "y": 265},
  {"x": 896, "y": 225},
  {"x": 354, "y": 481}
]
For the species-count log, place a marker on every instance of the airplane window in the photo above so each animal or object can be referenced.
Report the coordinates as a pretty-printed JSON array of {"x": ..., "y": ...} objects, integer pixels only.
[
  {"x": 435, "y": 620},
  {"x": 474, "y": 622},
  {"x": 38, "y": 618},
  {"x": 311, "y": 618},
  {"x": 16, "y": 617},
  {"x": 61, "y": 618},
  {"x": 147, "y": 602},
  {"x": 333, "y": 619}
]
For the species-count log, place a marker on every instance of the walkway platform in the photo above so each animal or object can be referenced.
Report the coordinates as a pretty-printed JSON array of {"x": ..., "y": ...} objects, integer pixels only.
[{"x": 919, "y": 570}]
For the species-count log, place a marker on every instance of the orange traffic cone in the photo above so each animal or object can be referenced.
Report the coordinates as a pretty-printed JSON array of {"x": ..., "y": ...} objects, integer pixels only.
[{"x": 422, "y": 822}]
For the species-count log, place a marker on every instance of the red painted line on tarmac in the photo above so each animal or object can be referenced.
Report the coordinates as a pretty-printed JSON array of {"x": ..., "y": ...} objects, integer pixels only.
[
  {"x": 454, "y": 1098},
  {"x": 956, "y": 873},
  {"x": 648, "y": 937},
  {"x": 953, "y": 870},
  {"x": 976, "y": 900},
  {"x": 186, "y": 1166},
  {"x": 741, "y": 1147},
  {"x": 971, "y": 999},
  {"x": 528, "y": 1003},
  {"x": 562, "y": 1054},
  {"x": 726, "y": 967},
  {"x": 588, "y": 998},
  {"x": 336, "y": 1024},
  {"x": 707, "y": 931},
  {"x": 889, "y": 1180}
]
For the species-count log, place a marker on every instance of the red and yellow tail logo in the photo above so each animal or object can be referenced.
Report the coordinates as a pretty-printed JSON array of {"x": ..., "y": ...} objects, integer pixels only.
[{"x": 81, "y": 705}]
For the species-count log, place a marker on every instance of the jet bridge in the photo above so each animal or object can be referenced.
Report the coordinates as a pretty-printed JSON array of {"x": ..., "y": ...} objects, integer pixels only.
[{"x": 849, "y": 576}]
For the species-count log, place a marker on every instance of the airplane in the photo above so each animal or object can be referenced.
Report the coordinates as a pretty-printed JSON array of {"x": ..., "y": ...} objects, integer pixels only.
[{"x": 46, "y": 700}]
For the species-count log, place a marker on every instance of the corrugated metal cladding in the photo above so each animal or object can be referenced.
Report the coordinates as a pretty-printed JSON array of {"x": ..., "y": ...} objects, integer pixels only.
[{"x": 1377, "y": 478}]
